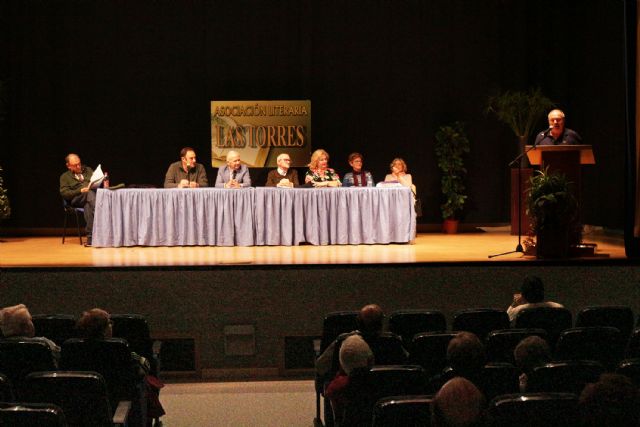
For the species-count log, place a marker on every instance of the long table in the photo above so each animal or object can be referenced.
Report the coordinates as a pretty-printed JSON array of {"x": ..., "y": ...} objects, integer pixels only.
[{"x": 253, "y": 216}]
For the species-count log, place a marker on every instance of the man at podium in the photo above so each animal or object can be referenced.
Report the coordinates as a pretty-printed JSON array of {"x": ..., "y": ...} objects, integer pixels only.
[{"x": 557, "y": 134}]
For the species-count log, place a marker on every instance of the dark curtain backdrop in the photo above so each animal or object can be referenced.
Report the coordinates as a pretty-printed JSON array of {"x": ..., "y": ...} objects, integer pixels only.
[{"x": 127, "y": 84}]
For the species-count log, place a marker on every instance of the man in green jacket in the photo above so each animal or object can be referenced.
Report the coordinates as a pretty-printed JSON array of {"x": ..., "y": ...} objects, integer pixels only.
[{"x": 74, "y": 188}]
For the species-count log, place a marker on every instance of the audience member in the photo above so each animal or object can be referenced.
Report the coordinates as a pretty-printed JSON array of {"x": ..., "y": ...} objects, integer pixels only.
[
  {"x": 16, "y": 323},
  {"x": 531, "y": 352},
  {"x": 284, "y": 176},
  {"x": 74, "y": 188},
  {"x": 358, "y": 177},
  {"x": 531, "y": 295},
  {"x": 458, "y": 403},
  {"x": 612, "y": 401},
  {"x": 370, "y": 324},
  {"x": 319, "y": 173},
  {"x": 355, "y": 354},
  {"x": 186, "y": 173},
  {"x": 399, "y": 174},
  {"x": 556, "y": 133},
  {"x": 465, "y": 356},
  {"x": 234, "y": 174}
]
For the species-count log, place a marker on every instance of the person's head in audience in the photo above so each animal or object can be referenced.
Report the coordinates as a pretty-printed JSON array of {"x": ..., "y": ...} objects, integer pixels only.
[
  {"x": 15, "y": 321},
  {"x": 73, "y": 163},
  {"x": 532, "y": 289},
  {"x": 319, "y": 160},
  {"x": 354, "y": 354},
  {"x": 531, "y": 352},
  {"x": 233, "y": 160},
  {"x": 95, "y": 324},
  {"x": 356, "y": 162},
  {"x": 612, "y": 401},
  {"x": 458, "y": 403},
  {"x": 284, "y": 161},
  {"x": 370, "y": 320},
  {"x": 188, "y": 158},
  {"x": 465, "y": 354}
]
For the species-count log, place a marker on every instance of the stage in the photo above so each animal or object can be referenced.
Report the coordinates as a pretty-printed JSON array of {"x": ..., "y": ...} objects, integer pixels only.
[
  {"x": 198, "y": 296},
  {"x": 467, "y": 247}
]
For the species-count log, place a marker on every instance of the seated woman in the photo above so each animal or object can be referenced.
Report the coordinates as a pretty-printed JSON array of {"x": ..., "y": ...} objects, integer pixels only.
[
  {"x": 399, "y": 174},
  {"x": 319, "y": 173},
  {"x": 358, "y": 177}
]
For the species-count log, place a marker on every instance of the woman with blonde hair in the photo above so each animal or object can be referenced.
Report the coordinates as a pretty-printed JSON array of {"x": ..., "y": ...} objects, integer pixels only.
[
  {"x": 319, "y": 173},
  {"x": 399, "y": 174}
]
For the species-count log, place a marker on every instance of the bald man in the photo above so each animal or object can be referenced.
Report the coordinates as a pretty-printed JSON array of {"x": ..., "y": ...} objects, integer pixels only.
[
  {"x": 234, "y": 174},
  {"x": 557, "y": 134},
  {"x": 283, "y": 176},
  {"x": 74, "y": 188}
]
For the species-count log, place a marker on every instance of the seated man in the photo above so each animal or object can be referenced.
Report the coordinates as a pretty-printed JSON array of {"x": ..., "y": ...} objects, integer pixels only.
[
  {"x": 74, "y": 188},
  {"x": 186, "y": 173},
  {"x": 16, "y": 323},
  {"x": 234, "y": 174},
  {"x": 531, "y": 295},
  {"x": 283, "y": 176}
]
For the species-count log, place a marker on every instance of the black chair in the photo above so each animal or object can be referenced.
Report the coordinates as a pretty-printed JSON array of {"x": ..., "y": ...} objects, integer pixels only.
[
  {"x": 480, "y": 321},
  {"x": 403, "y": 411},
  {"x": 407, "y": 323},
  {"x": 633, "y": 346},
  {"x": 501, "y": 344},
  {"x": 429, "y": 350},
  {"x": 19, "y": 357},
  {"x": 552, "y": 319},
  {"x": 6, "y": 389},
  {"x": 499, "y": 378},
  {"x": 57, "y": 327},
  {"x": 630, "y": 368},
  {"x": 111, "y": 358},
  {"x": 620, "y": 317},
  {"x": 82, "y": 396},
  {"x": 135, "y": 330},
  {"x": 603, "y": 344},
  {"x": 565, "y": 377},
  {"x": 534, "y": 410},
  {"x": 31, "y": 414},
  {"x": 75, "y": 212},
  {"x": 379, "y": 382}
]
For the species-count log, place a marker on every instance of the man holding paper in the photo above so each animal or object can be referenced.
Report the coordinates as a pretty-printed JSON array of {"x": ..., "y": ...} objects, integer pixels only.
[{"x": 76, "y": 189}]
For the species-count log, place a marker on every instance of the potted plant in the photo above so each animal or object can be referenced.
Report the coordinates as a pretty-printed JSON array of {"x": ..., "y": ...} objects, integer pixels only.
[
  {"x": 521, "y": 111},
  {"x": 553, "y": 212},
  {"x": 451, "y": 146}
]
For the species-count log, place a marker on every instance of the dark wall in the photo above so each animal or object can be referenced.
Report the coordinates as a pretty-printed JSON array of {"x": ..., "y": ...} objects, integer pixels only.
[{"x": 127, "y": 84}]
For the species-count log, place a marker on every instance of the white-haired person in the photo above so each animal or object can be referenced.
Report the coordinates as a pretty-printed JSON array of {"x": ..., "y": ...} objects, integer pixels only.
[
  {"x": 234, "y": 174},
  {"x": 16, "y": 324},
  {"x": 319, "y": 173},
  {"x": 283, "y": 175}
]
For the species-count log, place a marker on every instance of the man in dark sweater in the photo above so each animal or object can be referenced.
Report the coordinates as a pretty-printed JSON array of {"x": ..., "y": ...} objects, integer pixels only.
[{"x": 74, "y": 188}]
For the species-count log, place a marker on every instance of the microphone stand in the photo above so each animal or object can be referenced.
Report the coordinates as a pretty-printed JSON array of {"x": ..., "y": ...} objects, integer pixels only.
[{"x": 518, "y": 159}]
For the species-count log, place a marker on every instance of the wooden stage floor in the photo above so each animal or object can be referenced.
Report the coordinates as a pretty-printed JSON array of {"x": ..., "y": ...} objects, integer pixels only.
[{"x": 428, "y": 247}]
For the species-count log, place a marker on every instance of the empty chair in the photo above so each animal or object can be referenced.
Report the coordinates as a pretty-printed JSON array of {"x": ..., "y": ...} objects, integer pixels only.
[
  {"x": 630, "y": 368},
  {"x": 82, "y": 396},
  {"x": 402, "y": 411},
  {"x": 601, "y": 343},
  {"x": 566, "y": 377},
  {"x": 135, "y": 330},
  {"x": 633, "y": 346},
  {"x": 337, "y": 323},
  {"x": 480, "y": 321},
  {"x": 534, "y": 410},
  {"x": 500, "y": 344},
  {"x": 429, "y": 350},
  {"x": 6, "y": 389},
  {"x": 31, "y": 414},
  {"x": 407, "y": 323},
  {"x": 57, "y": 327},
  {"x": 378, "y": 382},
  {"x": 552, "y": 319},
  {"x": 620, "y": 317},
  {"x": 75, "y": 212},
  {"x": 19, "y": 357},
  {"x": 499, "y": 378}
]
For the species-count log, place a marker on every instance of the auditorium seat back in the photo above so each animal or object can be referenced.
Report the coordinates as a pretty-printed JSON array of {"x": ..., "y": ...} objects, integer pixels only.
[
  {"x": 407, "y": 323},
  {"x": 429, "y": 350},
  {"x": 57, "y": 327},
  {"x": 403, "y": 411},
  {"x": 19, "y": 357},
  {"x": 620, "y": 317},
  {"x": 600, "y": 343},
  {"x": 566, "y": 377},
  {"x": 552, "y": 319},
  {"x": 31, "y": 414},
  {"x": 480, "y": 321},
  {"x": 534, "y": 410},
  {"x": 501, "y": 344}
]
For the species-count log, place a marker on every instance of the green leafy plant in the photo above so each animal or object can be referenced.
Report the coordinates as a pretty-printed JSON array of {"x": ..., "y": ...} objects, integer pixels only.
[
  {"x": 519, "y": 109},
  {"x": 451, "y": 146},
  {"x": 550, "y": 203},
  {"x": 5, "y": 208}
]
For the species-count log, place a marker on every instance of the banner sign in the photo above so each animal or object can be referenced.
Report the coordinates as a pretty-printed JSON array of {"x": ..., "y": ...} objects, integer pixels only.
[{"x": 260, "y": 131}]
